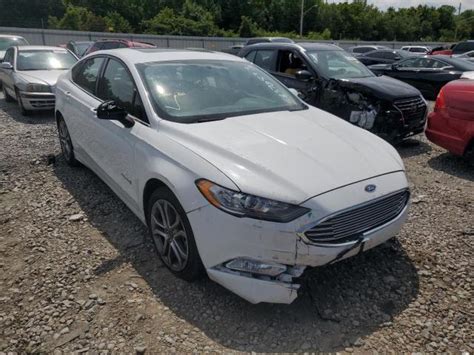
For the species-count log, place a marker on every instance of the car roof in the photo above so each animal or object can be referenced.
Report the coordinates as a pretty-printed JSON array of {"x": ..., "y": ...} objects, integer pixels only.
[
  {"x": 299, "y": 45},
  {"x": 10, "y": 36},
  {"x": 38, "y": 48},
  {"x": 146, "y": 55}
]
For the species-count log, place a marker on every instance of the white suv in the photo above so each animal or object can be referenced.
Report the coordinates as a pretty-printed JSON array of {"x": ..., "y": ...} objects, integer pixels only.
[{"x": 233, "y": 174}]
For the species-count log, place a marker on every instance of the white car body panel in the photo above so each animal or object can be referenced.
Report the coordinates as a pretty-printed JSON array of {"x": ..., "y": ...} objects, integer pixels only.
[{"x": 305, "y": 157}]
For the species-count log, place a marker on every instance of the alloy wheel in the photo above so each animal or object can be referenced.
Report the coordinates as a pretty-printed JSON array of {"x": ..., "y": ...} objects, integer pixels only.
[
  {"x": 169, "y": 235},
  {"x": 64, "y": 140}
]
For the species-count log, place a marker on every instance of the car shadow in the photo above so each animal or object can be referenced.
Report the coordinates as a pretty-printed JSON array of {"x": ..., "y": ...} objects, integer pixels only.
[
  {"x": 38, "y": 117},
  {"x": 338, "y": 304},
  {"x": 413, "y": 146},
  {"x": 452, "y": 165}
]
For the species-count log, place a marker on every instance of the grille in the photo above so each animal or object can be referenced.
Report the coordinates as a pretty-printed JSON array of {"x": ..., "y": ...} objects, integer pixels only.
[
  {"x": 350, "y": 224},
  {"x": 413, "y": 109}
]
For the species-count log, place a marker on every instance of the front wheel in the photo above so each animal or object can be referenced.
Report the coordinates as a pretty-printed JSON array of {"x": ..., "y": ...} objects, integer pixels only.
[
  {"x": 172, "y": 235},
  {"x": 23, "y": 110},
  {"x": 7, "y": 97}
]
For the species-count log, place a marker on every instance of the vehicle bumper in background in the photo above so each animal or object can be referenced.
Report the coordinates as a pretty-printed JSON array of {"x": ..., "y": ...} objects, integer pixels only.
[
  {"x": 222, "y": 238},
  {"x": 439, "y": 133},
  {"x": 38, "y": 100}
]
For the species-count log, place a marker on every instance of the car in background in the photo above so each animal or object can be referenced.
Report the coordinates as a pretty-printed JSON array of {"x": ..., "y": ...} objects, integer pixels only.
[
  {"x": 466, "y": 56},
  {"x": 427, "y": 73},
  {"x": 416, "y": 49},
  {"x": 7, "y": 41},
  {"x": 29, "y": 75},
  {"x": 333, "y": 80},
  {"x": 442, "y": 50},
  {"x": 256, "y": 40},
  {"x": 104, "y": 44},
  {"x": 233, "y": 174},
  {"x": 383, "y": 56},
  {"x": 451, "y": 124},
  {"x": 79, "y": 48},
  {"x": 463, "y": 47},
  {"x": 235, "y": 49},
  {"x": 357, "y": 50}
]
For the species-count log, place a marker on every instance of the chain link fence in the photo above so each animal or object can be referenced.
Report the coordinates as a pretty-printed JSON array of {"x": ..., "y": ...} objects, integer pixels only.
[{"x": 56, "y": 37}]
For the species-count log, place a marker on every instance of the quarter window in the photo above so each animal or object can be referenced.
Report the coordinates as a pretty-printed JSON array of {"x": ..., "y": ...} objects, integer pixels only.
[
  {"x": 86, "y": 75},
  {"x": 117, "y": 85},
  {"x": 251, "y": 56}
]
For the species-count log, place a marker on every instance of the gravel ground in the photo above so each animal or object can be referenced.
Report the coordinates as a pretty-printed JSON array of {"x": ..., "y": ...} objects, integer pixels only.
[{"x": 78, "y": 274}]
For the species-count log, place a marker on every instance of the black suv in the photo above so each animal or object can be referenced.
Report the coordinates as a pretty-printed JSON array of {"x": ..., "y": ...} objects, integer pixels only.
[
  {"x": 331, "y": 79},
  {"x": 463, "y": 47}
]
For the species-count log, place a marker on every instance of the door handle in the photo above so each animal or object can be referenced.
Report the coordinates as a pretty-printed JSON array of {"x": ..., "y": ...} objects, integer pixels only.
[{"x": 68, "y": 93}]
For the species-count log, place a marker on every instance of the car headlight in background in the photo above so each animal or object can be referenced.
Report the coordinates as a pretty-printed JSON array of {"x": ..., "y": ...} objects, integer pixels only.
[
  {"x": 244, "y": 205},
  {"x": 38, "y": 88}
]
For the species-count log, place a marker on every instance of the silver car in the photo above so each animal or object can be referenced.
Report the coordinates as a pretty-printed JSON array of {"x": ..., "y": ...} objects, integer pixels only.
[
  {"x": 29, "y": 75},
  {"x": 7, "y": 41}
]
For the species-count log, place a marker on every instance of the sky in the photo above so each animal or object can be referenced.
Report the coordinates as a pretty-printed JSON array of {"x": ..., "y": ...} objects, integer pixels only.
[{"x": 384, "y": 4}]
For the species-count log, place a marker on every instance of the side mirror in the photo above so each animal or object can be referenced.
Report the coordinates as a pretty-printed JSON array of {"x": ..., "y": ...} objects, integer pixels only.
[
  {"x": 303, "y": 75},
  {"x": 109, "y": 110},
  {"x": 6, "y": 65}
]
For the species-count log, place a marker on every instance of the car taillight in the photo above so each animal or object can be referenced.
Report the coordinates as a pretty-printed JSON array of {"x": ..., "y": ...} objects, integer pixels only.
[{"x": 440, "y": 102}]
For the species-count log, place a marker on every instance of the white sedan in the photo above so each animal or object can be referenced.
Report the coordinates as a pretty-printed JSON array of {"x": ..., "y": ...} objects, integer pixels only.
[{"x": 233, "y": 174}]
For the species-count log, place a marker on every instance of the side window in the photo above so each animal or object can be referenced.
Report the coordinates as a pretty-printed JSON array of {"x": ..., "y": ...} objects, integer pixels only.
[
  {"x": 110, "y": 45},
  {"x": 264, "y": 59},
  {"x": 409, "y": 63},
  {"x": 358, "y": 50},
  {"x": 290, "y": 63},
  {"x": 390, "y": 55},
  {"x": 437, "y": 64},
  {"x": 377, "y": 55},
  {"x": 86, "y": 76},
  {"x": 251, "y": 56},
  {"x": 9, "y": 56},
  {"x": 116, "y": 84}
]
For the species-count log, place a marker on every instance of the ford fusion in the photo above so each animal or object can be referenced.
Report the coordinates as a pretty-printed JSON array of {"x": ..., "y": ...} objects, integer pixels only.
[
  {"x": 233, "y": 174},
  {"x": 29, "y": 75}
]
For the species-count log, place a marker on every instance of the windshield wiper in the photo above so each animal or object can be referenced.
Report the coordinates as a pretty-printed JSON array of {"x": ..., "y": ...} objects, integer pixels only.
[{"x": 209, "y": 119}]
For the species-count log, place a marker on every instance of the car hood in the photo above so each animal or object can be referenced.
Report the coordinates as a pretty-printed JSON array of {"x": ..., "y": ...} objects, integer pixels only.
[
  {"x": 288, "y": 156},
  {"x": 382, "y": 87},
  {"x": 49, "y": 77}
]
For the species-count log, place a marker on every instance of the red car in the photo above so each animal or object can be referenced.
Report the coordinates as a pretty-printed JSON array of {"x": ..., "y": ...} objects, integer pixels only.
[
  {"x": 451, "y": 125},
  {"x": 103, "y": 44}
]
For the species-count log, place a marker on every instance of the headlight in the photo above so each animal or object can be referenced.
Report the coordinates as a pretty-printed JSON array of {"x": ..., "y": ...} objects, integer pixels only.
[
  {"x": 244, "y": 205},
  {"x": 38, "y": 88}
]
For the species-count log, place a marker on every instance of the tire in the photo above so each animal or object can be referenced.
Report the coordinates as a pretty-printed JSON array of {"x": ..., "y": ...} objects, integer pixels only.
[
  {"x": 173, "y": 237},
  {"x": 469, "y": 155},
  {"x": 23, "y": 110},
  {"x": 66, "y": 144},
  {"x": 7, "y": 97}
]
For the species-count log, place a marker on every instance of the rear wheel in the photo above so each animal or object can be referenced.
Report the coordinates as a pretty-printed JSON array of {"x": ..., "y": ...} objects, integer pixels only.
[
  {"x": 172, "y": 235},
  {"x": 66, "y": 143},
  {"x": 7, "y": 97}
]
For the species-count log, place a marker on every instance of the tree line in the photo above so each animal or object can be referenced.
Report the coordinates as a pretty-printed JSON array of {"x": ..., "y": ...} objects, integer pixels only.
[{"x": 355, "y": 20}]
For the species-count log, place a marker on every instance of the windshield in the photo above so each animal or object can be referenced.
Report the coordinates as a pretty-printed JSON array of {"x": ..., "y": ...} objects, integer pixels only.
[
  {"x": 194, "y": 91},
  {"x": 53, "y": 59},
  {"x": 9, "y": 42},
  {"x": 338, "y": 65}
]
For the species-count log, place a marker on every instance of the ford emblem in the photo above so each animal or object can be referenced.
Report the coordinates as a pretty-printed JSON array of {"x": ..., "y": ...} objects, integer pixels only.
[{"x": 370, "y": 188}]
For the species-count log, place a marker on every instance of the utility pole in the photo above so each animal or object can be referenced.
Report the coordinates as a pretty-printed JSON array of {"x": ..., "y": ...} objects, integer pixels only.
[
  {"x": 459, "y": 11},
  {"x": 301, "y": 18}
]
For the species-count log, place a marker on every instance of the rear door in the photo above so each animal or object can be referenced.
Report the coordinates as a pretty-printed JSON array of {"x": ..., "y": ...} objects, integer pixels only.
[{"x": 80, "y": 95}]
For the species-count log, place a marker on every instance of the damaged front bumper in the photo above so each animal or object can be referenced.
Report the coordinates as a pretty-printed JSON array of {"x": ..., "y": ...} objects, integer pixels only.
[{"x": 272, "y": 256}]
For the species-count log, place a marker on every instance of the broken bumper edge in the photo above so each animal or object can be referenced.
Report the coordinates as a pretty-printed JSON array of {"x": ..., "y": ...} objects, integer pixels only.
[{"x": 255, "y": 290}]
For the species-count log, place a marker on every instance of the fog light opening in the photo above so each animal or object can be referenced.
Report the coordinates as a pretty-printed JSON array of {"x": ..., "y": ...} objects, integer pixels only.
[{"x": 256, "y": 267}]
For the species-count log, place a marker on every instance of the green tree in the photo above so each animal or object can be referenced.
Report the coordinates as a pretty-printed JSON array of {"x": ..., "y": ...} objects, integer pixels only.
[{"x": 247, "y": 28}]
